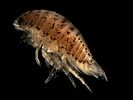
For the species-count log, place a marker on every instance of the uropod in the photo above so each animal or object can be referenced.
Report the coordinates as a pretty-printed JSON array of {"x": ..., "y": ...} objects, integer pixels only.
[{"x": 61, "y": 44}]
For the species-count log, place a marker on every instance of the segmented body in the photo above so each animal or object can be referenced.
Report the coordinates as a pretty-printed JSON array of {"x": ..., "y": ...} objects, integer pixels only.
[{"x": 61, "y": 43}]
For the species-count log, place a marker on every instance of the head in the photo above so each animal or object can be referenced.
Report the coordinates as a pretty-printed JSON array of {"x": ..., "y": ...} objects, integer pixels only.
[{"x": 29, "y": 35}]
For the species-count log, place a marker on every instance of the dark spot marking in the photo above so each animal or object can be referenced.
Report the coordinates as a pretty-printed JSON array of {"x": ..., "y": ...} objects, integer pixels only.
[
  {"x": 37, "y": 15},
  {"x": 80, "y": 61},
  {"x": 77, "y": 33},
  {"x": 37, "y": 28},
  {"x": 61, "y": 47},
  {"x": 26, "y": 23},
  {"x": 44, "y": 19},
  {"x": 32, "y": 25},
  {"x": 64, "y": 21},
  {"x": 68, "y": 53},
  {"x": 91, "y": 61},
  {"x": 89, "y": 54},
  {"x": 55, "y": 19},
  {"x": 54, "y": 38},
  {"x": 71, "y": 45},
  {"x": 53, "y": 25},
  {"x": 68, "y": 32},
  {"x": 76, "y": 58},
  {"x": 84, "y": 61},
  {"x": 71, "y": 28},
  {"x": 58, "y": 32},
  {"x": 51, "y": 37},
  {"x": 62, "y": 25},
  {"x": 46, "y": 34},
  {"x": 72, "y": 54}
]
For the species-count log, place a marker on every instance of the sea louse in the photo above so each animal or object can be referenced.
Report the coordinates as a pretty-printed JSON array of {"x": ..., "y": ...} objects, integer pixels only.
[{"x": 61, "y": 44}]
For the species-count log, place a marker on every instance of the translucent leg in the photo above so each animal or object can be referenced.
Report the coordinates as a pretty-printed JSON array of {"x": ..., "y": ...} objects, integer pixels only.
[
  {"x": 47, "y": 57},
  {"x": 64, "y": 69},
  {"x": 51, "y": 75},
  {"x": 71, "y": 79},
  {"x": 36, "y": 56},
  {"x": 78, "y": 77},
  {"x": 47, "y": 63}
]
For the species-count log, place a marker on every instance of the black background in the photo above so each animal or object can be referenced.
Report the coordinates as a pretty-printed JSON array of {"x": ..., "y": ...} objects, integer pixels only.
[{"x": 99, "y": 22}]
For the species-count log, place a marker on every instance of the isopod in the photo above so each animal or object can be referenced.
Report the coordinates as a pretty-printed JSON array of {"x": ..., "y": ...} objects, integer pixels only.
[{"x": 61, "y": 44}]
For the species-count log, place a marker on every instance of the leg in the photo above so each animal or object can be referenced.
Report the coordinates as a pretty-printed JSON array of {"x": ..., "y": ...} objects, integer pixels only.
[
  {"x": 57, "y": 65},
  {"x": 71, "y": 79},
  {"x": 51, "y": 75},
  {"x": 36, "y": 56},
  {"x": 67, "y": 73},
  {"x": 36, "y": 53},
  {"x": 46, "y": 55},
  {"x": 78, "y": 77},
  {"x": 47, "y": 63}
]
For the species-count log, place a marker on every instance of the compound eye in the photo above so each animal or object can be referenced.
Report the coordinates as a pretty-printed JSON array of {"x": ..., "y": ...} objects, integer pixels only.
[{"x": 20, "y": 20}]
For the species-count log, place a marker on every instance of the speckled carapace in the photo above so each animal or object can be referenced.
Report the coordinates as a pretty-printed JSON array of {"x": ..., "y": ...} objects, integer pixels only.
[{"x": 61, "y": 44}]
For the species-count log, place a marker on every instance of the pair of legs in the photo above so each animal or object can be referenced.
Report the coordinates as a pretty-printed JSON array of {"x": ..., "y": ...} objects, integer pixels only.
[{"x": 59, "y": 62}]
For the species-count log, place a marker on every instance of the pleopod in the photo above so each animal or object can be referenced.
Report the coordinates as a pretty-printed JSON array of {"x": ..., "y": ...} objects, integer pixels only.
[{"x": 61, "y": 44}]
